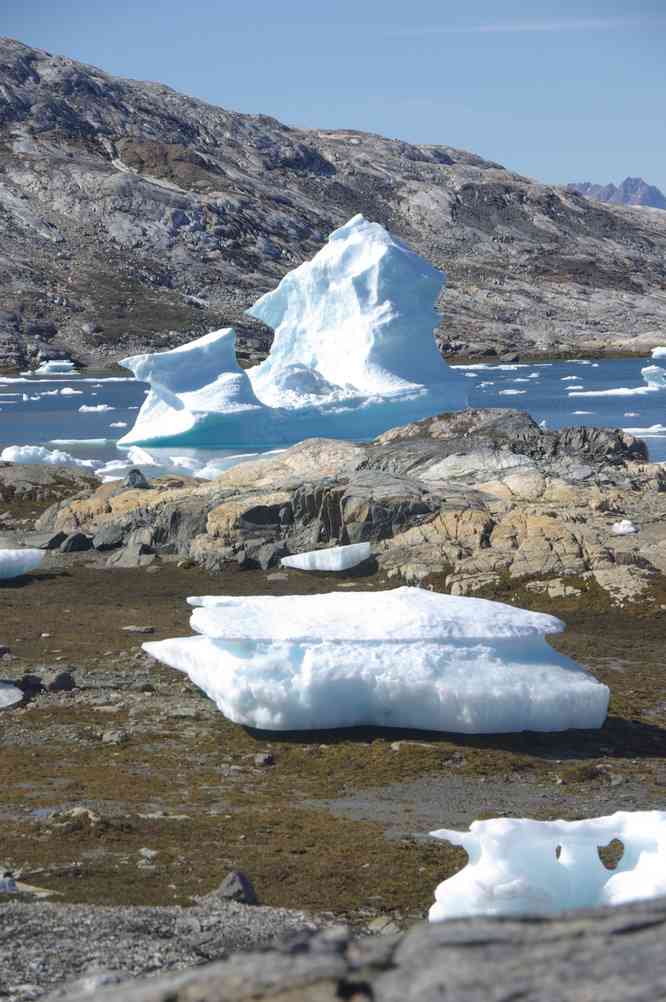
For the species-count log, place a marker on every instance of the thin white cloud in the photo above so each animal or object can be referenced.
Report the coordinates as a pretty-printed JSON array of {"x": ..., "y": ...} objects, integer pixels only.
[{"x": 518, "y": 27}]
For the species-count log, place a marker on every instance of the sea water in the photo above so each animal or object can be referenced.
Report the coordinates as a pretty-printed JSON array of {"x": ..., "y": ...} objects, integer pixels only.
[{"x": 34, "y": 411}]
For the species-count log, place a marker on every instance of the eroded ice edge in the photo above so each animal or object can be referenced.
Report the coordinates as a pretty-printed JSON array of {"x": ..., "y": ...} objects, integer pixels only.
[
  {"x": 353, "y": 354},
  {"x": 402, "y": 658},
  {"x": 514, "y": 867}
]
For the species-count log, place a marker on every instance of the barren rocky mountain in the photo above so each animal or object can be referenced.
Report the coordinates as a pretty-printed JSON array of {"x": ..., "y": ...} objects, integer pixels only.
[
  {"x": 136, "y": 217},
  {"x": 631, "y": 191}
]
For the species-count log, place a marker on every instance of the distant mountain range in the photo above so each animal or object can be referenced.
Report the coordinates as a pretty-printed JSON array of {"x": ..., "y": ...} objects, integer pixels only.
[{"x": 632, "y": 191}]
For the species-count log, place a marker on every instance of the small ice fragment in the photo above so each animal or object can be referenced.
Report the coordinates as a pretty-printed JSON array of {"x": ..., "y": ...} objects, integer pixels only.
[
  {"x": 624, "y": 528},
  {"x": 14, "y": 563},
  {"x": 335, "y": 558},
  {"x": 10, "y": 695},
  {"x": 56, "y": 365},
  {"x": 21, "y": 454}
]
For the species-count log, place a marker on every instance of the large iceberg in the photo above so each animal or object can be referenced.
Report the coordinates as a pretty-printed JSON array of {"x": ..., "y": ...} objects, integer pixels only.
[
  {"x": 401, "y": 658},
  {"x": 517, "y": 866},
  {"x": 353, "y": 354}
]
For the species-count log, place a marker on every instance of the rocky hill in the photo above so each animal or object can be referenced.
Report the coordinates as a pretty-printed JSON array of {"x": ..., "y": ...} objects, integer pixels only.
[
  {"x": 631, "y": 191},
  {"x": 132, "y": 216}
]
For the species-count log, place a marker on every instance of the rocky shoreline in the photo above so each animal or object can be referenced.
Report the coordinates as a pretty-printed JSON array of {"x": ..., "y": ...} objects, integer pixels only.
[
  {"x": 124, "y": 787},
  {"x": 464, "y": 501}
]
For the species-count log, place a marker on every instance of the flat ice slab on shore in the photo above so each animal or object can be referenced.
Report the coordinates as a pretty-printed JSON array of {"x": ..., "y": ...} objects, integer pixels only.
[
  {"x": 332, "y": 558},
  {"x": 353, "y": 355},
  {"x": 14, "y": 563},
  {"x": 522, "y": 867},
  {"x": 400, "y": 658}
]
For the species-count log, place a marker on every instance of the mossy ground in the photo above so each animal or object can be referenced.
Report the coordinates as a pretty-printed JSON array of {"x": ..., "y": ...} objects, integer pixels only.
[{"x": 194, "y": 762}]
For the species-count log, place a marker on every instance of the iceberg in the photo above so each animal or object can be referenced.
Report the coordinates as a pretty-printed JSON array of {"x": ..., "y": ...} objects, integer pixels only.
[
  {"x": 333, "y": 558},
  {"x": 400, "y": 658},
  {"x": 522, "y": 867},
  {"x": 353, "y": 355},
  {"x": 14, "y": 563}
]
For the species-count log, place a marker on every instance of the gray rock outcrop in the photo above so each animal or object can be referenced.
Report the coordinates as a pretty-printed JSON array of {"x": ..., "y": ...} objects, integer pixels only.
[
  {"x": 614, "y": 955},
  {"x": 473, "y": 498},
  {"x": 156, "y": 217}
]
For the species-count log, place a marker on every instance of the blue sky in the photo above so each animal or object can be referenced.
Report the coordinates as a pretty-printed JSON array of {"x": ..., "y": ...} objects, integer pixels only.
[{"x": 558, "y": 91}]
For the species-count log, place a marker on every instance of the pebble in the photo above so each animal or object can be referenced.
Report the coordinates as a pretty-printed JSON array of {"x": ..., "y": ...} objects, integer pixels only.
[
  {"x": 139, "y": 629},
  {"x": 115, "y": 737}
]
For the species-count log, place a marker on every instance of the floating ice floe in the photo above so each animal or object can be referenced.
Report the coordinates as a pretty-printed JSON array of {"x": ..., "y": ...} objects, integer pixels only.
[
  {"x": 353, "y": 354},
  {"x": 401, "y": 658},
  {"x": 523, "y": 867},
  {"x": 659, "y": 352},
  {"x": 95, "y": 408},
  {"x": 10, "y": 695},
  {"x": 624, "y": 528},
  {"x": 56, "y": 366},
  {"x": 654, "y": 429},
  {"x": 511, "y": 393},
  {"x": 40, "y": 454},
  {"x": 14, "y": 563},
  {"x": 69, "y": 391},
  {"x": 653, "y": 375},
  {"x": 333, "y": 558},
  {"x": 162, "y": 466}
]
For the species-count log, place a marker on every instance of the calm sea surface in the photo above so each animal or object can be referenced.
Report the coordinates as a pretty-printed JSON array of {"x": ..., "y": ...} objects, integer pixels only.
[{"x": 35, "y": 411}]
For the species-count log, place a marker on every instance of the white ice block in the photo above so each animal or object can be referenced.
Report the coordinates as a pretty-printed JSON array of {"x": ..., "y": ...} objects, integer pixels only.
[
  {"x": 518, "y": 866},
  {"x": 334, "y": 558},
  {"x": 401, "y": 658}
]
